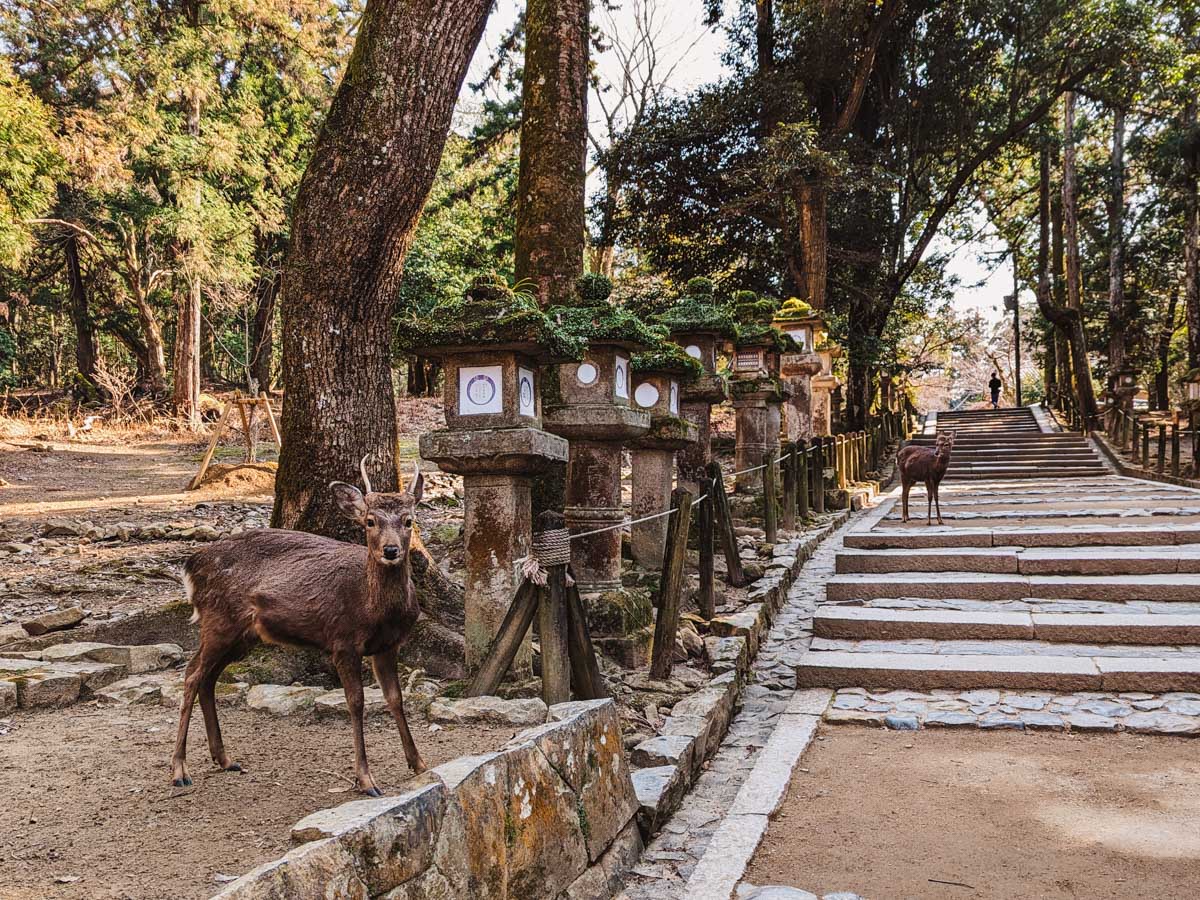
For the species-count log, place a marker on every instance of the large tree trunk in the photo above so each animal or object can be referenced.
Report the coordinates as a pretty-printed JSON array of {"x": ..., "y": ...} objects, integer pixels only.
[
  {"x": 185, "y": 395},
  {"x": 549, "y": 232},
  {"x": 1116, "y": 250},
  {"x": 1162, "y": 351},
  {"x": 1074, "y": 329},
  {"x": 155, "y": 381},
  {"x": 355, "y": 215},
  {"x": 1191, "y": 233},
  {"x": 86, "y": 347},
  {"x": 812, "y": 202}
]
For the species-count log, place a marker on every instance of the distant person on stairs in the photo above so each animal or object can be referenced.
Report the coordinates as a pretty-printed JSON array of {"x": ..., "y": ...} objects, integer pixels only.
[{"x": 994, "y": 386}]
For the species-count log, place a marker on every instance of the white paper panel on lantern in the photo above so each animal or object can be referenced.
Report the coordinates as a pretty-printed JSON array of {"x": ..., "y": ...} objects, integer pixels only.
[
  {"x": 674, "y": 401},
  {"x": 800, "y": 336},
  {"x": 646, "y": 395},
  {"x": 525, "y": 392},
  {"x": 693, "y": 351},
  {"x": 480, "y": 390},
  {"x": 622, "y": 380},
  {"x": 586, "y": 373}
]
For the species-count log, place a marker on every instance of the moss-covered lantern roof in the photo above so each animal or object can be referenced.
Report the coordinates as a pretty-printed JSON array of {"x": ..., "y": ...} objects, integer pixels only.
[
  {"x": 669, "y": 358},
  {"x": 795, "y": 310},
  {"x": 490, "y": 314},
  {"x": 595, "y": 319},
  {"x": 754, "y": 329},
  {"x": 698, "y": 312}
]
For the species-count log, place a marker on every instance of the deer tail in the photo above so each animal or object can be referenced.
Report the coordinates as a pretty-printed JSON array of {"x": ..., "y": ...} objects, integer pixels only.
[{"x": 189, "y": 588}]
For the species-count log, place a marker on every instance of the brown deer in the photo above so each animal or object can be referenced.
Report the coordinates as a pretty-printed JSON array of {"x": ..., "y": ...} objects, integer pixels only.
[
  {"x": 288, "y": 587},
  {"x": 928, "y": 465}
]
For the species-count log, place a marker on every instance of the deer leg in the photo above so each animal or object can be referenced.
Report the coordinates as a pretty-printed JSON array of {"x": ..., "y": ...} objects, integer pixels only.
[
  {"x": 937, "y": 500},
  {"x": 191, "y": 684},
  {"x": 208, "y": 704},
  {"x": 349, "y": 669},
  {"x": 928, "y": 502},
  {"x": 904, "y": 500},
  {"x": 385, "y": 674}
]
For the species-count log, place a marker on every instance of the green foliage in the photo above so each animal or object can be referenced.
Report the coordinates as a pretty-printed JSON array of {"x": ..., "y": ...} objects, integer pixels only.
[
  {"x": 29, "y": 164},
  {"x": 793, "y": 309},
  {"x": 606, "y": 324},
  {"x": 593, "y": 289}
]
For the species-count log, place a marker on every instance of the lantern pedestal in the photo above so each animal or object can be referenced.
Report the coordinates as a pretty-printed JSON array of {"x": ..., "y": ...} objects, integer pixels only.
[
  {"x": 798, "y": 370},
  {"x": 757, "y": 407},
  {"x": 592, "y": 412},
  {"x": 497, "y": 467},
  {"x": 653, "y": 477}
]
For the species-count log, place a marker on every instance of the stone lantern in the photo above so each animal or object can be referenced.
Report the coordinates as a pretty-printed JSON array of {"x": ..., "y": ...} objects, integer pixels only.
[
  {"x": 1122, "y": 386},
  {"x": 756, "y": 388},
  {"x": 589, "y": 403},
  {"x": 797, "y": 320},
  {"x": 659, "y": 377},
  {"x": 1191, "y": 389},
  {"x": 703, "y": 329},
  {"x": 491, "y": 346}
]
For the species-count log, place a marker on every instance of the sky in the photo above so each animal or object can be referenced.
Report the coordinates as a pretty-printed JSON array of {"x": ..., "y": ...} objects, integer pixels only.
[{"x": 695, "y": 53}]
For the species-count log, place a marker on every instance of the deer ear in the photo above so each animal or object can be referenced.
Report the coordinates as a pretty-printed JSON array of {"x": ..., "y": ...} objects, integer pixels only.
[
  {"x": 349, "y": 500},
  {"x": 417, "y": 486}
]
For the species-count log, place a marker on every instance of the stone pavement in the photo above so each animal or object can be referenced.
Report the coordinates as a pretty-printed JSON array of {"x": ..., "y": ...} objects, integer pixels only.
[{"x": 1069, "y": 602}]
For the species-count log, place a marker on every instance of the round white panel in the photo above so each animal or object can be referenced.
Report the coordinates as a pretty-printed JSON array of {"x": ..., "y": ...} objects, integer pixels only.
[
  {"x": 693, "y": 351},
  {"x": 586, "y": 373},
  {"x": 646, "y": 394}
]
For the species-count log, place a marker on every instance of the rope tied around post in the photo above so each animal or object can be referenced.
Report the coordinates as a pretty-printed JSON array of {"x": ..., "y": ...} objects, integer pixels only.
[{"x": 551, "y": 547}]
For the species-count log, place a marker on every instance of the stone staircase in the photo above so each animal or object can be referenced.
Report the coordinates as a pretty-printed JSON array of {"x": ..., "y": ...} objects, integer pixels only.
[
  {"x": 1088, "y": 582},
  {"x": 1010, "y": 443}
]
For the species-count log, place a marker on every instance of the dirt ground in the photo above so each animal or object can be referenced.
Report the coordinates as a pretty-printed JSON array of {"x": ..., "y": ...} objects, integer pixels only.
[
  {"x": 964, "y": 814},
  {"x": 86, "y": 795}
]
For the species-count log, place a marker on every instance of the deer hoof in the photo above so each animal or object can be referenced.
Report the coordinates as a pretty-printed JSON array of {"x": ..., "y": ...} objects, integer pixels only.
[
  {"x": 233, "y": 767},
  {"x": 373, "y": 792},
  {"x": 419, "y": 767},
  {"x": 185, "y": 781}
]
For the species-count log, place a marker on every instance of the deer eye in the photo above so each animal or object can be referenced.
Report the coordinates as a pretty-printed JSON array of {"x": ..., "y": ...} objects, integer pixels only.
[
  {"x": 408, "y": 522},
  {"x": 370, "y": 521}
]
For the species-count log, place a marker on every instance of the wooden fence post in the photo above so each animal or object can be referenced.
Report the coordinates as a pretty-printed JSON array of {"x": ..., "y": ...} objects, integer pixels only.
[
  {"x": 818, "y": 470},
  {"x": 705, "y": 599},
  {"x": 1175, "y": 449},
  {"x": 1146, "y": 445},
  {"x": 1160, "y": 461},
  {"x": 770, "y": 510},
  {"x": 802, "y": 467},
  {"x": 787, "y": 463},
  {"x": 552, "y": 633},
  {"x": 670, "y": 585}
]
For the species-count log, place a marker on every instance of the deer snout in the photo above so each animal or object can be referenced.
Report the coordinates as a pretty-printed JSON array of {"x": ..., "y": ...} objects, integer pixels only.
[{"x": 391, "y": 552}]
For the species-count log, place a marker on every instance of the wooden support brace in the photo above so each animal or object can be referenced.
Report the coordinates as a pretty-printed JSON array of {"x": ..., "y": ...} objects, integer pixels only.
[
  {"x": 802, "y": 467},
  {"x": 212, "y": 446},
  {"x": 507, "y": 641},
  {"x": 670, "y": 585},
  {"x": 706, "y": 599},
  {"x": 788, "y": 465},
  {"x": 734, "y": 576},
  {"x": 770, "y": 499},
  {"x": 586, "y": 679}
]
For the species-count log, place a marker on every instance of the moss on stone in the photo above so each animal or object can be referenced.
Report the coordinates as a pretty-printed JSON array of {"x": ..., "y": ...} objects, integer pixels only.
[
  {"x": 749, "y": 308},
  {"x": 621, "y": 612},
  {"x": 593, "y": 289},
  {"x": 794, "y": 309},
  {"x": 490, "y": 313},
  {"x": 669, "y": 357},
  {"x": 757, "y": 334},
  {"x": 740, "y": 387},
  {"x": 604, "y": 324}
]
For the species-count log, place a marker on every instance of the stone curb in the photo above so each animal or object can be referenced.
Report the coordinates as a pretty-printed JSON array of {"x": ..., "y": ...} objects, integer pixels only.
[{"x": 734, "y": 843}]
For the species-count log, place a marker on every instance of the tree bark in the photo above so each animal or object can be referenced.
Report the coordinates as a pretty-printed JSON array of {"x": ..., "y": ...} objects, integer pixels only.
[
  {"x": 1162, "y": 352},
  {"x": 355, "y": 215},
  {"x": 87, "y": 348},
  {"x": 812, "y": 207},
  {"x": 185, "y": 395},
  {"x": 156, "y": 357},
  {"x": 1084, "y": 390},
  {"x": 1116, "y": 250},
  {"x": 550, "y": 226},
  {"x": 1191, "y": 233}
]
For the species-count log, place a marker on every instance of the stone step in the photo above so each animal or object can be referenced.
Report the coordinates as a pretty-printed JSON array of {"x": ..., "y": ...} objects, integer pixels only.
[
  {"x": 869, "y": 623},
  {"x": 930, "y": 671},
  {"x": 984, "y": 586},
  {"x": 1089, "y": 536},
  {"x": 1032, "y": 472},
  {"x": 1101, "y": 560}
]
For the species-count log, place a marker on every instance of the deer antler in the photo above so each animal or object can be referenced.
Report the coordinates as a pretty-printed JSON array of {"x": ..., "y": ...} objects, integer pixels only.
[{"x": 362, "y": 467}]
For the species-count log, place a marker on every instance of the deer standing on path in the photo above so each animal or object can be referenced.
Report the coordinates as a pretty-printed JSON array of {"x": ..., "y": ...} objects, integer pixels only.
[
  {"x": 289, "y": 587},
  {"x": 928, "y": 465}
]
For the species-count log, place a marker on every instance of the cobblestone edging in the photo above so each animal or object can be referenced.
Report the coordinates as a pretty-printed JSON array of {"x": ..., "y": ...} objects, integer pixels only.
[
  {"x": 699, "y": 851},
  {"x": 1176, "y": 713},
  {"x": 667, "y": 765}
]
